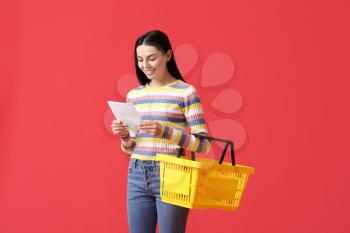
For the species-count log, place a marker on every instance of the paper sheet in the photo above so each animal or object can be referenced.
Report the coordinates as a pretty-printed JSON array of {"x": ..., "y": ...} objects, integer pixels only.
[{"x": 126, "y": 112}]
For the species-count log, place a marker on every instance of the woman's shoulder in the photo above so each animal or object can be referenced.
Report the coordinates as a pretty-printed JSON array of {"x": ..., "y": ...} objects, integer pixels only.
[
  {"x": 184, "y": 87},
  {"x": 179, "y": 84},
  {"x": 135, "y": 91},
  {"x": 188, "y": 89},
  {"x": 139, "y": 88}
]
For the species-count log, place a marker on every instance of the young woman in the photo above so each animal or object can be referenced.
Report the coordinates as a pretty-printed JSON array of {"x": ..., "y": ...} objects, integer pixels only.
[{"x": 167, "y": 105}]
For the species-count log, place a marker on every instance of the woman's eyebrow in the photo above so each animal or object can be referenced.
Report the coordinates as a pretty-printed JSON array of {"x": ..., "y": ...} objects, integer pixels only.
[{"x": 148, "y": 55}]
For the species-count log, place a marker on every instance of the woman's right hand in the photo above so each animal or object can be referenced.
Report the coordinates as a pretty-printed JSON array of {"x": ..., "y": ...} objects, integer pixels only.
[{"x": 119, "y": 128}]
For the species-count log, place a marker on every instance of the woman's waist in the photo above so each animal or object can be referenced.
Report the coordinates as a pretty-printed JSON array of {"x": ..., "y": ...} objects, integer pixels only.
[
  {"x": 150, "y": 153},
  {"x": 141, "y": 164}
]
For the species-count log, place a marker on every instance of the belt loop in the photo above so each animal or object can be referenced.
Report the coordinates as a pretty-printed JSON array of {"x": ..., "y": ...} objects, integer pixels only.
[
  {"x": 133, "y": 164},
  {"x": 139, "y": 163}
]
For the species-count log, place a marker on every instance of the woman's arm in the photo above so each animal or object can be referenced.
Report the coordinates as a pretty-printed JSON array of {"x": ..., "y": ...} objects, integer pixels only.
[
  {"x": 193, "y": 112},
  {"x": 186, "y": 140}
]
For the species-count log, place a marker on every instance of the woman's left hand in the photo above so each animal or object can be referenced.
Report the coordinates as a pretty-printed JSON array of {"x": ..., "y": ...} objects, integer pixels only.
[{"x": 152, "y": 127}]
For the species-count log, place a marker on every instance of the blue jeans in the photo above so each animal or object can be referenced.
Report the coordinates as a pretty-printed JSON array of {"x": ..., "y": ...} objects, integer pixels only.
[{"x": 145, "y": 206}]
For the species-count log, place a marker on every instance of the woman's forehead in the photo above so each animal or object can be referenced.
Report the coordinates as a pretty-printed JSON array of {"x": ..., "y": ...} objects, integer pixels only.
[{"x": 146, "y": 50}]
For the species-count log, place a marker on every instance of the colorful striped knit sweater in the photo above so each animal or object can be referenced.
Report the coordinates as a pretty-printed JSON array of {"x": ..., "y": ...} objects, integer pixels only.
[{"x": 175, "y": 106}]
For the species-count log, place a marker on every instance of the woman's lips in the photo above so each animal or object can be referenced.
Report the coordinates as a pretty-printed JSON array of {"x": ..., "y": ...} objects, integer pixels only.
[{"x": 149, "y": 72}]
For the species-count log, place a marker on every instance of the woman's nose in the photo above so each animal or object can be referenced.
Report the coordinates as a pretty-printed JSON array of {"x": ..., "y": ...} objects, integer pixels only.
[{"x": 146, "y": 64}]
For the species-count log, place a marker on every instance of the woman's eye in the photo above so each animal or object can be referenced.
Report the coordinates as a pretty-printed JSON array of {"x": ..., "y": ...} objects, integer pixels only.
[{"x": 150, "y": 59}]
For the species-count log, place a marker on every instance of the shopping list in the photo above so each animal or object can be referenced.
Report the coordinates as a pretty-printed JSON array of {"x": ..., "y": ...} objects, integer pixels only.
[{"x": 126, "y": 112}]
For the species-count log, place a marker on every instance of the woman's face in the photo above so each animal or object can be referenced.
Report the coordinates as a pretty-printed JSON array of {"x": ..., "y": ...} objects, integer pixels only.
[{"x": 152, "y": 61}]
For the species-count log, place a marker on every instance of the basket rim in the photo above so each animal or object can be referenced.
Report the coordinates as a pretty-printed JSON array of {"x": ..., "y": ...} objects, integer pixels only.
[{"x": 203, "y": 163}]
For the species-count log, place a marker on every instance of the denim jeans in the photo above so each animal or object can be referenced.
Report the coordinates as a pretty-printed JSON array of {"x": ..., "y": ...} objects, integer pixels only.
[{"x": 145, "y": 207}]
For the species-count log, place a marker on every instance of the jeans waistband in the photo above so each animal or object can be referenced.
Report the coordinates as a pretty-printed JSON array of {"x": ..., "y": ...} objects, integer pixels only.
[{"x": 143, "y": 164}]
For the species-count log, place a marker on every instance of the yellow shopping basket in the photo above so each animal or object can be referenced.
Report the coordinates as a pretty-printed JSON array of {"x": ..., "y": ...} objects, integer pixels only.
[{"x": 200, "y": 183}]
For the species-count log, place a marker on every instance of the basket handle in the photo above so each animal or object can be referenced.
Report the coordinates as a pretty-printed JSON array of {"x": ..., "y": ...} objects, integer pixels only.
[{"x": 228, "y": 143}]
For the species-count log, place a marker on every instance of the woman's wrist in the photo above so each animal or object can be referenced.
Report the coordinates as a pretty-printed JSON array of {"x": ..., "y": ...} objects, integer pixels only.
[{"x": 125, "y": 135}]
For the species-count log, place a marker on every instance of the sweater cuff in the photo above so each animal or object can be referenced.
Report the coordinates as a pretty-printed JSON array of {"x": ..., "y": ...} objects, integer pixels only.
[
  {"x": 125, "y": 138},
  {"x": 174, "y": 135},
  {"x": 166, "y": 132}
]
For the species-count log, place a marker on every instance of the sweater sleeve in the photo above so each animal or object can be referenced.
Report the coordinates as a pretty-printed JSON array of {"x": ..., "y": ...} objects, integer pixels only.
[
  {"x": 127, "y": 143},
  {"x": 193, "y": 112}
]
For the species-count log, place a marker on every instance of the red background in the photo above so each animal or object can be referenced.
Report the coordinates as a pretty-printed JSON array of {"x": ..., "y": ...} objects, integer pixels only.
[{"x": 61, "y": 171}]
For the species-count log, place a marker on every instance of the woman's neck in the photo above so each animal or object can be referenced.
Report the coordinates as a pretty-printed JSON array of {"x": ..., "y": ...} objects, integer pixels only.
[{"x": 159, "y": 83}]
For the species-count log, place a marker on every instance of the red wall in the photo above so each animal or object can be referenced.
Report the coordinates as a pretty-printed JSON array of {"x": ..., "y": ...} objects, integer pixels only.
[{"x": 284, "y": 65}]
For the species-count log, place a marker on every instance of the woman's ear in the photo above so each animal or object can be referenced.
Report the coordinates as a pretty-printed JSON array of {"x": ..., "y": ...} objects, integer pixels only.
[{"x": 169, "y": 54}]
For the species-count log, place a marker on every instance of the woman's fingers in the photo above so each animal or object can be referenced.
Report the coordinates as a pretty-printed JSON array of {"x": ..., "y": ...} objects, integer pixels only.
[
  {"x": 120, "y": 131},
  {"x": 147, "y": 123},
  {"x": 148, "y": 127},
  {"x": 152, "y": 127},
  {"x": 119, "y": 127},
  {"x": 118, "y": 123}
]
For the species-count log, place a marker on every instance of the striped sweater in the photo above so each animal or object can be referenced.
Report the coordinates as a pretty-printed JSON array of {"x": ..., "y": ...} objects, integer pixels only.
[{"x": 176, "y": 106}]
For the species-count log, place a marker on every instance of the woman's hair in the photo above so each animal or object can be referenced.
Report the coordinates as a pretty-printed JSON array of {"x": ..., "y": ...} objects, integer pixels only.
[{"x": 161, "y": 41}]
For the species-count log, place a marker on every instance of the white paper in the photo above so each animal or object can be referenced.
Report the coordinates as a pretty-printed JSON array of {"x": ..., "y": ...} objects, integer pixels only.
[{"x": 126, "y": 112}]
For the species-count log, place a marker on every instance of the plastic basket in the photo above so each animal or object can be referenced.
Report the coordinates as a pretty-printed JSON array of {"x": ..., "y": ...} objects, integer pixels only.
[{"x": 199, "y": 183}]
